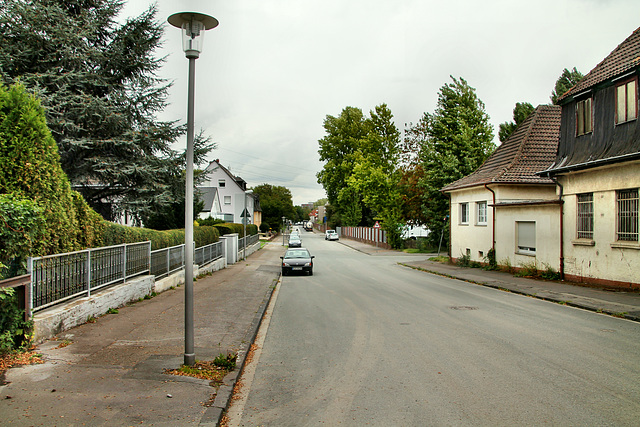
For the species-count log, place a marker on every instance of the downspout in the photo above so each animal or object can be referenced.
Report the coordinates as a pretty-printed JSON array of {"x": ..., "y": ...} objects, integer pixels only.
[
  {"x": 561, "y": 226},
  {"x": 493, "y": 219}
]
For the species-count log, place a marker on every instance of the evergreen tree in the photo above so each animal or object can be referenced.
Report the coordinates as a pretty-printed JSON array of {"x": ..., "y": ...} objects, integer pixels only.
[
  {"x": 521, "y": 111},
  {"x": 97, "y": 79},
  {"x": 458, "y": 140}
]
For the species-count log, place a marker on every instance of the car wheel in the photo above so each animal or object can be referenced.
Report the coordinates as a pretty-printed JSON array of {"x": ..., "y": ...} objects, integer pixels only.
[{"x": 310, "y": 272}]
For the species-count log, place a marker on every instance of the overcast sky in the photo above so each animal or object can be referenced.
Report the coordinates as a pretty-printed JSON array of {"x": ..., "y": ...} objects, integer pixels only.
[{"x": 273, "y": 70}]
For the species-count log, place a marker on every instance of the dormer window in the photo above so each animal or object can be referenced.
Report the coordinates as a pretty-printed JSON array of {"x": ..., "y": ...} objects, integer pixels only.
[
  {"x": 626, "y": 101},
  {"x": 584, "y": 117}
]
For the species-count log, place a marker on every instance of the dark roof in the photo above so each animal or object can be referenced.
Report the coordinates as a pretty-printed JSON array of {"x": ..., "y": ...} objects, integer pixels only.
[
  {"x": 531, "y": 148},
  {"x": 208, "y": 195},
  {"x": 622, "y": 59},
  {"x": 237, "y": 179}
]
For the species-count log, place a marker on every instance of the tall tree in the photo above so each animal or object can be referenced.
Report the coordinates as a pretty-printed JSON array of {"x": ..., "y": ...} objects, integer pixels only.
[
  {"x": 97, "y": 79},
  {"x": 276, "y": 202},
  {"x": 521, "y": 111},
  {"x": 353, "y": 139},
  {"x": 566, "y": 81},
  {"x": 458, "y": 140}
]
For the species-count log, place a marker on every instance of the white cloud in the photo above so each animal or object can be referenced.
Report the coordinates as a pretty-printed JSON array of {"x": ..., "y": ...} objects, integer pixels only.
[{"x": 273, "y": 69}]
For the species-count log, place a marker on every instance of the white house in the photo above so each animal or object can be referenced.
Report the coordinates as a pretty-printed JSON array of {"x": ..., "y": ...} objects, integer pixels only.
[
  {"x": 504, "y": 205},
  {"x": 230, "y": 193}
]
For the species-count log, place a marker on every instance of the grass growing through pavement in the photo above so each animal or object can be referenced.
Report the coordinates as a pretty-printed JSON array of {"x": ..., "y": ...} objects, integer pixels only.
[{"x": 214, "y": 370}]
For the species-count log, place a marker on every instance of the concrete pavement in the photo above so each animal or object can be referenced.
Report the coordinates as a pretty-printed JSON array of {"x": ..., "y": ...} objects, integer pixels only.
[{"x": 111, "y": 371}]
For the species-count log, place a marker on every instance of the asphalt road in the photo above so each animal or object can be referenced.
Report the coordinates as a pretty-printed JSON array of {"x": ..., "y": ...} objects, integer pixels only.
[{"x": 368, "y": 342}]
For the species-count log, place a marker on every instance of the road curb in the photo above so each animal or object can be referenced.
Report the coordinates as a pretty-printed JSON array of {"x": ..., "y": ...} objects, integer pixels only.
[{"x": 213, "y": 415}]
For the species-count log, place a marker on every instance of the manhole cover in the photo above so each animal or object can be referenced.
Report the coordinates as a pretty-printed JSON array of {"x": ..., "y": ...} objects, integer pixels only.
[{"x": 462, "y": 307}]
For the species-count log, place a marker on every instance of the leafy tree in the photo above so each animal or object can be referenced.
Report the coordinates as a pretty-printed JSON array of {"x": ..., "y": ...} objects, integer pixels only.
[
  {"x": 37, "y": 192},
  {"x": 97, "y": 79},
  {"x": 353, "y": 139},
  {"x": 458, "y": 139},
  {"x": 275, "y": 202},
  {"x": 521, "y": 111},
  {"x": 567, "y": 80}
]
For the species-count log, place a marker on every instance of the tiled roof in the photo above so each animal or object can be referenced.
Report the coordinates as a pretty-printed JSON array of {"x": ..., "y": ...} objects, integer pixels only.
[
  {"x": 624, "y": 58},
  {"x": 530, "y": 149}
]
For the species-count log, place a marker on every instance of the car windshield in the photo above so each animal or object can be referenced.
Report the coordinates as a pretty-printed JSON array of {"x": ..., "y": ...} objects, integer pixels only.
[{"x": 297, "y": 254}]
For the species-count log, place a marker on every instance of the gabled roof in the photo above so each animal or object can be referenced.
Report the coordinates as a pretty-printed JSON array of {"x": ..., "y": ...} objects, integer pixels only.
[
  {"x": 208, "y": 196},
  {"x": 622, "y": 59},
  {"x": 531, "y": 148},
  {"x": 238, "y": 180}
]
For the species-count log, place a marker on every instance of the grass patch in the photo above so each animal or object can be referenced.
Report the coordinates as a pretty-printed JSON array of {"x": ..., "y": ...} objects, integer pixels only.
[
  {"x": 214, "y": 370},
  {"x": 441, "y": 258}
]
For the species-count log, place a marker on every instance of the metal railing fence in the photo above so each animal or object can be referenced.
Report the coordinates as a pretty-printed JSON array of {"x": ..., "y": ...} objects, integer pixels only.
[
  {"x": 56, "y": 278},
  {"x": 248, "y": 240}
]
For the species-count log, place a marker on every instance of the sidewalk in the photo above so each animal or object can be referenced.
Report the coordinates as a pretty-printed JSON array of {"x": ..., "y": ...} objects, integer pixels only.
[
  {"x": 621, "y": 304},
  {"x": 111, "y": 373}
]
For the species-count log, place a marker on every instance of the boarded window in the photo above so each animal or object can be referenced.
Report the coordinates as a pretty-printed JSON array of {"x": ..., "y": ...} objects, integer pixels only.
[
  {"x": 526, "y": 236},
  {"x": 584, "y": 117},
  {"x": 585, "y": 216},
  {"x": 627, "y": 212},
  {"x": 626, "y": 102}
]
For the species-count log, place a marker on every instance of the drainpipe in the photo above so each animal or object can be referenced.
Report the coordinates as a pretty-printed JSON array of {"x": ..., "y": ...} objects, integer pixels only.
[
  {"x": 493, "y": 219},
  {"x": 561, "y": 226}
]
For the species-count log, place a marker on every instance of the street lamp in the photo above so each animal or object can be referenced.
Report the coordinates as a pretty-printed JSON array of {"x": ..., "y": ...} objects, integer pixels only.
[
  {"x": 244, "y": 222},
  {"x": 193, "y": 26},
  {"x": 283, "y": 219}
]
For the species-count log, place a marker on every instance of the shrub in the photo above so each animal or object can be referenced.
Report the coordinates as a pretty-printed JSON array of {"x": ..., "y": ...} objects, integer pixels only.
[
  {"x": 464, "y": 260},
  {"x": 264, "y": 227},
  {"x": 490, "y": 260},
  {"x": 15, "y": 332},
  {"x": 549, "y": 273},
  {"x": 116, "y": 234},
  {"x": 528, "y": 269},
  {"x": 210, "y": 221}
]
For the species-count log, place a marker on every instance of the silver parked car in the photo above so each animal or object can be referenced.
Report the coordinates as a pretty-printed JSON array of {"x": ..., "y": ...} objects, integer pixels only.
[{"x": 294, "y": 241}]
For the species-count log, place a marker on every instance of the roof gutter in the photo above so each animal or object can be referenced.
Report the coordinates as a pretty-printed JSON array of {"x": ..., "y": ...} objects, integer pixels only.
[{"x": 588, "y": 165}]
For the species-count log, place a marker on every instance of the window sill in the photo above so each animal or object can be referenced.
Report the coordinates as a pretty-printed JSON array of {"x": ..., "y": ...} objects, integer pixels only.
[
  {"x": 481, "y": 224},
  {"x": 531, "y": 254},
  {"x": 626, "y": 245},
  {"x": 583, "y": 242},
  {"x": 464, "y": 224}
]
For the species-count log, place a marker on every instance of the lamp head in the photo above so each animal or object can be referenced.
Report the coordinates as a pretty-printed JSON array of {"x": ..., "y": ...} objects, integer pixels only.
[{"x": 193, "y": 26}]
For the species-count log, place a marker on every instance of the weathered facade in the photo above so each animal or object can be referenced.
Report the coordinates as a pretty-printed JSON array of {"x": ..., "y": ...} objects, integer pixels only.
[{"x": 597, "y": 169}]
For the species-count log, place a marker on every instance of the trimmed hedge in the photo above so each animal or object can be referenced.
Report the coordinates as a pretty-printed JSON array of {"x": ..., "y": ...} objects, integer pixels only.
[
  {"x": 116, "y": 234},
  {"x": 230, "y": 228}
]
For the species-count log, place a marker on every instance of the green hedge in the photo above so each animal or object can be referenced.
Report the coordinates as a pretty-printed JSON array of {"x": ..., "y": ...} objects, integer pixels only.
[
  {"x": 116, "y": 234},
  {"x": 230, "y": 228}
]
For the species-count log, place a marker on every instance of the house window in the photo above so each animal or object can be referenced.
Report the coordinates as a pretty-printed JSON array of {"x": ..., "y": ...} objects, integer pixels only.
[
  {"x": 627, "y": 212},
  {"x": 626, "y": 102},
  {"x": 221, "y": 183},
  {"x": 227, "y": 200},
  {"x": 481, "y": 208},
  {"x": 584, "y": 117},
  {"x": 585, "y": 216},
  {"x": 526, "y": 237},
  {"x": 464, "y": 213}
]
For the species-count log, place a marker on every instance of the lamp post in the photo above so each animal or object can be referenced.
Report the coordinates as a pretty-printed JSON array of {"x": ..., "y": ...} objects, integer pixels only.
[
  {"x": 193, "y": 26},
  {"x": 283, "y": 219},
  {"x": 244, "y": 222}
]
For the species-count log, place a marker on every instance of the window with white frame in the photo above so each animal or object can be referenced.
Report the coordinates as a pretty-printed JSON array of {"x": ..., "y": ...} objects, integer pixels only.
[
  {"x": 626, "y": 101},
  {"x": 227, "y": 200},
  {"x": 526, "y": 237},
  {"x": 464, "y": 213},
  {"x": 585, "y": 216},
  {"x": 221, "y": 183},
  {"x": 627, "y": 213},
  {"x": 584, "y": 117},
  {"x": 481, "y": 209}
]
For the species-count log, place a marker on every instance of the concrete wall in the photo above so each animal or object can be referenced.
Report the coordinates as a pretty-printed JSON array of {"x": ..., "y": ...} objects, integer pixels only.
[{"x": 602, "y": 259}]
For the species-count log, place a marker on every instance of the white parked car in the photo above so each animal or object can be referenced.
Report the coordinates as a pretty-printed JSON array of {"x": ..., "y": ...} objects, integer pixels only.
[{"x": 331, "y": 235}]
